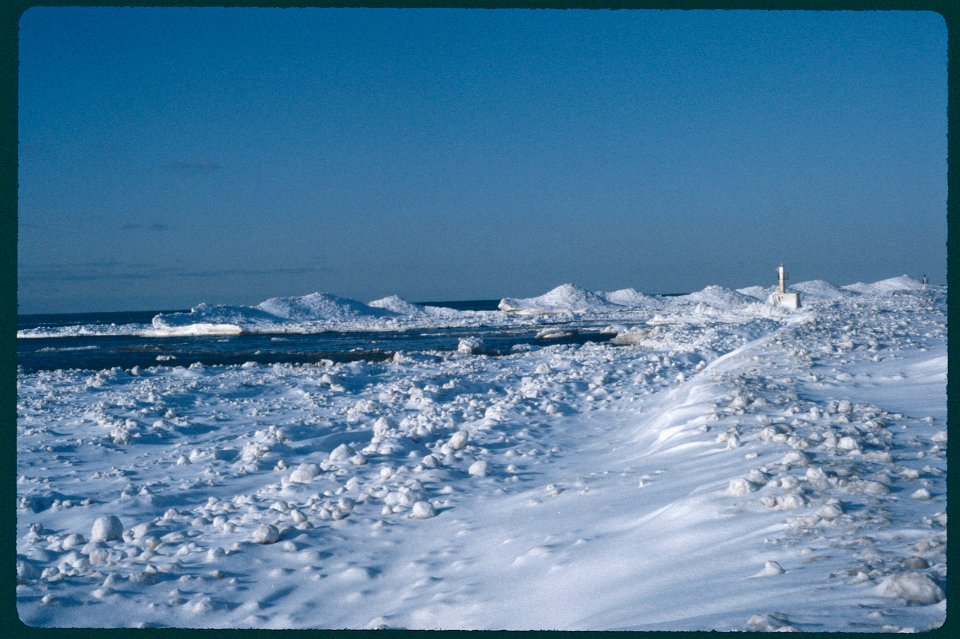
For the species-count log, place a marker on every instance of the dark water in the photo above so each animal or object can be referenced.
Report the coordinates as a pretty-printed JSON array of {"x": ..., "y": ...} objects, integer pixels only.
[
  {"x": 101, "y": 352},
  {"x": 82, "y": 319}
]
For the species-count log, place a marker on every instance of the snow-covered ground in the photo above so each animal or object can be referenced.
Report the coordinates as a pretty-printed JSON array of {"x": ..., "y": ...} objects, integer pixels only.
[{"x": 721, "y": 465}]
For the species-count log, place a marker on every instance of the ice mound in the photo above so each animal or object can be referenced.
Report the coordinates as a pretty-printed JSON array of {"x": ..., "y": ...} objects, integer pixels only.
[
  {"x": 759, "y": 292},
  {"x": 205, "y": 319},
  {"x": 627, "y": 297},
  {"x": 320, "y": 306},
  {"x": 401, "y": 307},
  {"x": 566, "y": 298},
  {"x": 819, "y": 289},
  {"x": 719, "y": 297},
  {"x": 272, "y": 314},
  {"x": 396, "y": 304},
  {"x": 901, "y": 283}
]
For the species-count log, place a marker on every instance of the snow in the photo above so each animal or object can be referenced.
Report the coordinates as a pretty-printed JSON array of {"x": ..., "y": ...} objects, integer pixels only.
[
  {"x": 821, "y": 290},
  {"x": 319, "y": 306},
  {"x": 721, "y": 466},
  {"x": 892, "y": 285},
  {"x": 719, "y": 297},
  {"x": 566, "y": 298},
  {"x": 628, "y": 297},
  {"x": 397, "y": 305},
  {"x": 758, "y": 292},
  {"x": 106, "y": 528},
  {"x": 914, "y": 587},
  {"x": 320, "y": 312}
]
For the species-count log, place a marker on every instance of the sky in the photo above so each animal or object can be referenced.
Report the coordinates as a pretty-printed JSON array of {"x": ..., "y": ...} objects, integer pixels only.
[{"x": 173, "y": 156}]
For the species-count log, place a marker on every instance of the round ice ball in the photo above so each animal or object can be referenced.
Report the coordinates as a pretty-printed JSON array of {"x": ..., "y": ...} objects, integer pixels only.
[
  {"x": 106, "y": 529},
  {"x": 478, "y": 468},
  {"x": 423, "y": 510},
  {"x": 458, "y": 440},
  {"x": 266, "y": 534}
]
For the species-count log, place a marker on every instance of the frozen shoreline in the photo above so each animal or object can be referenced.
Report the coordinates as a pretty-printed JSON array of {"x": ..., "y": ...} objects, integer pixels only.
[{"x": 727, "y": 470}]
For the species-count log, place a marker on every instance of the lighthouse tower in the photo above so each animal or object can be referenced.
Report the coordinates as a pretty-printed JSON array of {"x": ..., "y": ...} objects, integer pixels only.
[{"x": 781, "y": 297}]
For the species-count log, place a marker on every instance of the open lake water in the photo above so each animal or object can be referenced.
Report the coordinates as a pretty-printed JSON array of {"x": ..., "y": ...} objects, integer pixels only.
[{"x": 126, "y": 351}]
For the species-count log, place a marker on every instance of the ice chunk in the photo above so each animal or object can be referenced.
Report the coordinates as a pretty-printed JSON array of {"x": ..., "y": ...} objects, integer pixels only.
[
  {"x": 266, "y": 534},
  {"x": 304, "y": 473},
  {"x": 106, "y": 529},
  {"x": 423, "y": 510},
  {"x": 914, "y": 588},
  {"x": 458, "y": 440},
  {"x": 478, "y": 468}
]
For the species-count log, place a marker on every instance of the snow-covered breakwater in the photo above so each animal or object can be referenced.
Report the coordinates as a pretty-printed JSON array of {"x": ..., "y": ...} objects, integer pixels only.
[{"x": 731, "y": 468}]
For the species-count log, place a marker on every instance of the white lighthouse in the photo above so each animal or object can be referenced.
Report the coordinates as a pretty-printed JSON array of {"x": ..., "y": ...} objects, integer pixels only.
[{"x": 781, "y": 297}]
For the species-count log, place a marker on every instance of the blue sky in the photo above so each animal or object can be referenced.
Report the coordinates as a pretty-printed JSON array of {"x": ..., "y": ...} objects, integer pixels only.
[{"x": 176, "y": 156}]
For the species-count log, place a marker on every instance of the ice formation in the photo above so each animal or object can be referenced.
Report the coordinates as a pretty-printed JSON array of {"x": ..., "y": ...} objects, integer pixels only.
[{"x": 720, "y": 466}]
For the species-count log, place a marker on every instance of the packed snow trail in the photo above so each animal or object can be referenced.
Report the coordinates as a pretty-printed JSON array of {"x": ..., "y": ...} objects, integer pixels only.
[{"x": 725, "y": 471}]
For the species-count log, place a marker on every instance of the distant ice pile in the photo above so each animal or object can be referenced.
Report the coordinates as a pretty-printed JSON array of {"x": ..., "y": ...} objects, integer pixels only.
[
  {"x": 892, "y": 285},
  {"x": 565, "y": 298},
  {"x": 318, "y": 312},
  {"x": 275, "y": 314}
]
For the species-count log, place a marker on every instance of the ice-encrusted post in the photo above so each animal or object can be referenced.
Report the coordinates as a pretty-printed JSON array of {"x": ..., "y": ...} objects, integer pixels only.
[{"x": 781, "y": 297}]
